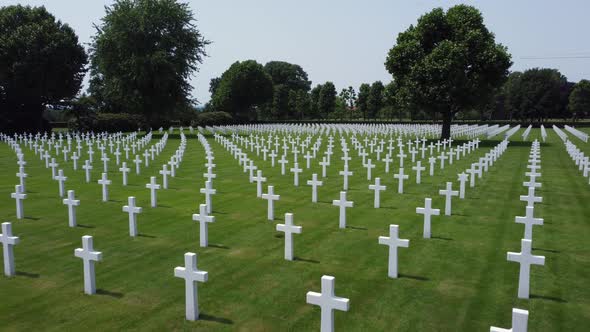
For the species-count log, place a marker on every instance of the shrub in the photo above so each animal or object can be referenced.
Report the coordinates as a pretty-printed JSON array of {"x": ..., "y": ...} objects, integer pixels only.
[
  {"x": 212, "y": 119},
  {"x": 110, "y": 122}
]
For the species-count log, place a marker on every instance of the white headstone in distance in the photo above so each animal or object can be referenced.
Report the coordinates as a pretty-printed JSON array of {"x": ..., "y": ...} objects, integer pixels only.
[
  {"x": 71, "y": 202},
  {"x": 133, "y": 211},
  {"x": 393, "y": 241},
  {"x": 203, "y": 220},
  {"x": 270, "y": 197},
  {"x": 427, "y": 211},
  {"x": 289, "y": 229},
  {"x": 342, "y": 203}
]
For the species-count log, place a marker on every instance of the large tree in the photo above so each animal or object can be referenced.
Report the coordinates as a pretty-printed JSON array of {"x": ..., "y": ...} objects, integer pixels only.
[
  {"x": 242, "y": 90},
  {"x": 448, "y": 62},
  {"x": 143, "y": 55},
  {"x": 292, "y": 76},
  {"x": 363, "y": 96},
  {"x": 41, "y": 63},
  {"x": 375, "y": 99},
  {"x": 579, "y": 99},
  {"x": 327, "y": 100}
]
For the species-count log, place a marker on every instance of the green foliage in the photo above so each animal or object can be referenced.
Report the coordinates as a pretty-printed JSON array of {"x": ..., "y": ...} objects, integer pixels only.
[
  {"x": 280, "y": 102},
  {"x": 314, "y": 101},
  {"x": 292, "y": 76},
  {"x": 110, "y": 122},
  {"x": 327, "y": 99},
  {"x": 534, "y": 94},
  {"x": 363, "y": 96},
  {"x": 143, "y": 55},
  {"x": 579, "y": 99},
  {"x": 212, "y": 119},
  {"x": 213, "y": 84},
  {"x": 41, "y": 63},
  {"x": 448, "y": 62},
  {"x": 243, "y": 88},
  {"x": 375, "y": 99}
]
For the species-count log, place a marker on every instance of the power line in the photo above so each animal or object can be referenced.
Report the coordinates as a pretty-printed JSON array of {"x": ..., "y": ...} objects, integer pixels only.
[{"x": 555, "y": 57}]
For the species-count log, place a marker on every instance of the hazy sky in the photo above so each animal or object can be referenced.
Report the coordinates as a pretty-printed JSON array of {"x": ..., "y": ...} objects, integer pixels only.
[{"x": 346, "y": 41}]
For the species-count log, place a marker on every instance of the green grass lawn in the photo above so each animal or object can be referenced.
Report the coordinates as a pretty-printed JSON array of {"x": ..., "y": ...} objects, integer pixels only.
[{"x": 457, "y": 281}]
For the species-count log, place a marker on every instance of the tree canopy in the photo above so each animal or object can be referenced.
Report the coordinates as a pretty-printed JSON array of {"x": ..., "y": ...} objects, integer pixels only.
[
  {"x": 42, "y": 63},
  {"x": 143, "y": 56},
  {"x": 242, "y": 90},
  {"x": 534, "y": 94},
  {"x": 448, "y": 62},
  {"x": 579, "y": 99}
]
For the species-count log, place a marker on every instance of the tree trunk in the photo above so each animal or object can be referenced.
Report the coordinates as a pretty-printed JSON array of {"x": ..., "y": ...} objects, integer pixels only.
[{"x": 446, "y": 127}]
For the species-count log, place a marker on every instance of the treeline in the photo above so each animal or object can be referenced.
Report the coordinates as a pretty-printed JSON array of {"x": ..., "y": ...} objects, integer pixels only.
[{"x": 143, "y": 54}]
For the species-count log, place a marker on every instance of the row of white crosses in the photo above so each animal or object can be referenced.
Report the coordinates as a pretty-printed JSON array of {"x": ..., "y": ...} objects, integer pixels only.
[
  {"x": 428, "y": 211},
  {"x": 525, "y": 258},
  {"x": 579, "y": 157}
]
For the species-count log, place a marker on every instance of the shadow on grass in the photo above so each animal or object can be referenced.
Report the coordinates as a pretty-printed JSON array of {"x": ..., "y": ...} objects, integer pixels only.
[
  {"x": 211, "y": 318},
  {"x": 164, "y": 206},
  {"x": 442, "y": 238},
  {"x": 299, "y": 259},
  {"x": 32, "y": 218},
  {"x": 548, "y": 298},
  {"x": 408, "y": 276},
  {"x": 357, "y": 228},
  {"x": 28, "y": 274},
  {"x": 220, "y": 246},
  {"x": 548, "y": 250},
  {"x": 85, "y": 226},
  {"x": 279, "y": 235},
  {"x": 104, "y": 292},
  {"x": 146, "y": 235},
  {"x": 115, "y": 201}
]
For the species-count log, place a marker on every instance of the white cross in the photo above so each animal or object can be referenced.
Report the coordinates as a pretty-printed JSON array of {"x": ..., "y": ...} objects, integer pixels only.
[
  {"x": 53, "y": 166},
  {"x": 203, "y": 219},
  {"x": 526, "y": 259},
  {"x": 137, "y": 162},
  {"x": 531, "y": 199},
  {"x": 8, "y": 242},
  {"x": 314, "y": 183},
  {"x": 442, "y": 158},
  {"x": 283, "y": 162},
  {"x": 165, "y": 172},
  {"x": 105, "y": 161},
  {"x": 377, "y": 187},
  {"x": 259, "y": 179},
  {"x": 60, "y": 178},
  {"x": 519, "y": 322},
  {"x": 343, "y": 204},
  {"x": 270, "y": 197},
  {"x": 327, "y": 302},
  {"x": 401, "y": 155},
  {"x": 369, "y": 166},
  {"x": 431, "y": 161},
  {"x": 89, "y": 257},
  {"x": 296, "y": 170},
  {"x": 153, "y": 186},
  {"x": 472, "y": 172},
  {"x": 418, "y": 168},
  {"x": 117, "y": 156},
  {"x": 18, "y": 196},
  {"x": 288, "y": 228},
  {"x": 210, "y": 175},
  {"x": 529, "y": 221},
  {"x": 190, "y": 274},
  {"x": 87, "y": 167},
  {"x": 105, "y": 190},
  {"x": 387, "y": 160},
  {"x": 345, "y": 173},
  {"x": 71, "y": 202},
  {"x": 324, "y": 163},
  {"x": 146, "y": 156},
  {"x": 427, "y": 211},
  {"x": 132, "y": 210},
  {"x": 124, "y": 169},
  {"x": 401, "y": 177},
  {"x": 208, "y": 191},
  {"x": 75, "y": 160},
  {"x": 393, "y": 241},
  {"x": 448, "y": 193},
  {"x": 22, "y": 175},
  {"x": 462, "y": 178}
]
